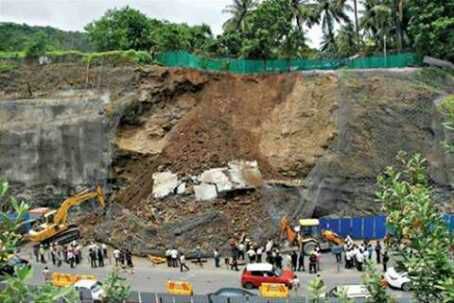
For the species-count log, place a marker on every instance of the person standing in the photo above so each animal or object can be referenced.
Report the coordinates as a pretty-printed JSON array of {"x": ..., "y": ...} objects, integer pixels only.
[
  {"x": 251, "y": 255},
  {"x": 92, "y": 256},
  {"x": 217, "y": 258},
  {"x": 104, "y": 251},
  {"x": 370, "y": 251},
  {"x": 385, "y": 261},
  {"x": 183, "y": 265},
  {"x": 169, "y": 257},
  {"x": 59, "y": 254},
  {"x": 234, "y": 264},
  {"x": 294, "y": 257},
  {"x": 116, "y": 256},
  {"x": 241, "y": 250},
  {"x": 301, "y": 261},
  {"x": 259, "y": 254},
  {"x": 53, "y": 254},
  {"x": 278, "y": 260},
  {"x": 359, "y": 260},
  {"x": 198, "y": 255},
  {"x": 378, "y": 251},
  {"x": 36, "y": 252},
  {"x": 128, "y": 256},
  {"x": 313, "y": 263},
  {"x": 318, "y": 254},
  {"x": 71, "y": 257},
  {"x": 41, "y": 255},
  {"x": 174, "y": 257},
  {"x": 100, "y": 256}
]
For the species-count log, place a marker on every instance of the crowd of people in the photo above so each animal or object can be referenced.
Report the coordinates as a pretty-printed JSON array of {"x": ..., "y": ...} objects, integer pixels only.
[
  {"x": 357, "y": 255},
  {"x": 57, "y": 254}
]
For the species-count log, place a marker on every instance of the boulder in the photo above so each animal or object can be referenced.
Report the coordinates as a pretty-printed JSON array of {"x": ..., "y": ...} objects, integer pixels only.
[
  {"x": 244, "y": 174},
  {"x": 205, "y": 192},
  {"x": 218, "y": 177},
  {"x": 164, "y": 184}
]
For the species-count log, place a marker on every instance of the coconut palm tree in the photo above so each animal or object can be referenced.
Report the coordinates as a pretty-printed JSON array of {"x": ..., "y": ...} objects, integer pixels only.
[
  {"x": 355, "y": 9},
  {"x": 304, "y": 12},
  {"x": 331, "y": 12},
  {"x": 239, "y": 11},
  {"x": 376, "y": 21}
]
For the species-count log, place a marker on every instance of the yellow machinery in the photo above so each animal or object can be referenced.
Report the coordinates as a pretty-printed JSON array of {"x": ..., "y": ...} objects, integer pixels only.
[
  {"x": 55, "y": 227},
  {"x": 64, "y": 280},
  {"x": 309, "y": 235}
]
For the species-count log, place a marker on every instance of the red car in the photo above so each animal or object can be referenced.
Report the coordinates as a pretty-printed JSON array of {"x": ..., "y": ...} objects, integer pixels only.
[{"x": 257, "y": 273}]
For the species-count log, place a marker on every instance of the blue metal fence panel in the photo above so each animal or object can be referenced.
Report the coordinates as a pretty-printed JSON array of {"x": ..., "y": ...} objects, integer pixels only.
[
  {"x": 380, "y": 227},
  {"x": 369, "y": 227},
  {"x": 334, "y": 225},
  {"x": 357, "y": 228},
  {"x": 346, "y": 226},
  {"x": 451, "y": 224}
]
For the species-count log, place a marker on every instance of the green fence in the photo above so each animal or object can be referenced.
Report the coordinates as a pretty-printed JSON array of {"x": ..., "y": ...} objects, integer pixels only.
[{"x": 244, "y": 66}]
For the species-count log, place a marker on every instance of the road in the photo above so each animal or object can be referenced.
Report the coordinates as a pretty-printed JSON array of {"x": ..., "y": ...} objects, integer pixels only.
[{"x": 150, "y": 278}]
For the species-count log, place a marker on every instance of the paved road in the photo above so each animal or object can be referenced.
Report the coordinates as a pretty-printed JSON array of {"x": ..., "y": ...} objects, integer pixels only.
[{"x": 150, "y": 278}]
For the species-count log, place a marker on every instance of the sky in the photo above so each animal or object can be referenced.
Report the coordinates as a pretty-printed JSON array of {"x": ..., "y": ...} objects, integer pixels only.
[{"x": 75, "y": 14}]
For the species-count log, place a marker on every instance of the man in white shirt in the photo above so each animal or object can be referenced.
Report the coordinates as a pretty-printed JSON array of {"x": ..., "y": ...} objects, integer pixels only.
[
  {"x": 116, "y": 256},
  {"x": 251, "y": 255},
  {"x": 174, "y": 256},
  {"x": 241, "y": 249}
]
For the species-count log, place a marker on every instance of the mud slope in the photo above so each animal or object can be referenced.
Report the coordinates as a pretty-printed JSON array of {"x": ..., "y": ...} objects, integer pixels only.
[{"x": 319, "y": 140}]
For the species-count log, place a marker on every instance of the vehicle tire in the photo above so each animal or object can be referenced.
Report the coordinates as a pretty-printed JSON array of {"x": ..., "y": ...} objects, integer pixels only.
[
  {"x": 248, "y": 285},
  {"x": 406, "y": 287},
  {"x": 309, "y": 247}
]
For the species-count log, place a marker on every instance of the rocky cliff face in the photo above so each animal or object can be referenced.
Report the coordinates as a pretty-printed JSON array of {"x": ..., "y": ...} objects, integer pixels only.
[{"x": 320, "y": 140}]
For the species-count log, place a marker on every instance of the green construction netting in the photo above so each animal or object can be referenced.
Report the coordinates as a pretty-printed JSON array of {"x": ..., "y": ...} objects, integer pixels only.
[{"x": 244, "y": 66}]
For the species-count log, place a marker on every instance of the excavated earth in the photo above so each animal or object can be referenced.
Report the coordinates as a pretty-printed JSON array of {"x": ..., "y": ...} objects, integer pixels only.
[{"x": 319, "y": 138}]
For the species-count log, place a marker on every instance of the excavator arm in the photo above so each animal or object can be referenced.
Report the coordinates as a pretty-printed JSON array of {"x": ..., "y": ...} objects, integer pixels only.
[
  {"x": 332, "y": 237},
  {"x": 62, "y": 213},
  {"x": 287, "y": 230}
]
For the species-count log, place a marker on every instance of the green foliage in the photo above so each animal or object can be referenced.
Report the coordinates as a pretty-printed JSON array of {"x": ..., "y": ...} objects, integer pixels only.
[
  {"x": 431, "y": 27},
  {"x": 240, "y": 11},
  {"x": 342, "y": 296},
  {"x": 447, "y": 108},
  {"x": 118, "y": 57},
  {"x": 37, "y": 47},
  {"x": 420, "y": 238},
  {"x": 115, "y": 288},
  {"x": 6, "y": 67},
  {"x": 317, "y": 290},
  {"x": 16, "y": 286},
  {"x": 120, "y": 29},
  {"x": 373, "y": 281},
  {"x": 16, "y": 37}
]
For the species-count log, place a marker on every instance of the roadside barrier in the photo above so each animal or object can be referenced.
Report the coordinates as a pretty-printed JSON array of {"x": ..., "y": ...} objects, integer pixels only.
[
  {"x": 179, "y": 288},
  {"x": 273, "y": 290}
]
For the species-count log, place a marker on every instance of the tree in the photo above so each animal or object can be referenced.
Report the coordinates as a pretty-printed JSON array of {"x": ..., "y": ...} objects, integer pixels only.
[
  {"x": 239, "y": 10},
  {"x": 346, "y": 45},
  {"x": 16, "y": 287},
  {"x": 120, "y": 29},
  {"x": 271, "y": 32},
  {"x": 431, "y": 27},
  {"x": 355, "y": 11},
  {"x": 331, "y": 12},
  {"x": 373, "y": 281},
  {"x": 304, "y": 12},
  {"x": 317, "y": 290},
  {"x": 37, "y": 47},
  {"x": 115, "y": 288},
  {"x": 420, "y": 239},
  {"x": 377, "y": 22}
]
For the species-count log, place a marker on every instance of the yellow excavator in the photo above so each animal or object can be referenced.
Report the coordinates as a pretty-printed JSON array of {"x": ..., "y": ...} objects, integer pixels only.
[
  {"x": 55, "y": 227},
  {"x": 309, "y": 236}
]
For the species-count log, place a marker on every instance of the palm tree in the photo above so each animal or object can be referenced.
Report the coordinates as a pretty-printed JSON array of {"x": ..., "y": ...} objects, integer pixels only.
[
  {"x": 331, "y": 12},
  {"x": 239, "y": 11},
  {"x": 355, "y": 8},
  {"x": 376, "y": 21},
  {"x": 304, "y": 11}
]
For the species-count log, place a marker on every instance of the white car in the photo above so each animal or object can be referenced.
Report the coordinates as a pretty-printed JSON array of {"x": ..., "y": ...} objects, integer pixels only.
[
  {"x": 397, "y": 279},
  {"x": 358, "y": 291},
  {"x": 90, "y": 290}
]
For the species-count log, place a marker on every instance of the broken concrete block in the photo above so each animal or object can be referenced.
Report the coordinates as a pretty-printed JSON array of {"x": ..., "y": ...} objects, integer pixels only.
[
  {"x": 181, "y": 189},
  {"x": 218, "y": 177},
  {"x": 164, "y": 184},
  {"x": 205, "y": 192},
  {"x": 245, "y": 174}
]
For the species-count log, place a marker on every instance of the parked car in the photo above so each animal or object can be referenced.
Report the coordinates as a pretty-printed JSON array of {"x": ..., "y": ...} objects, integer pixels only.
[
  {"x": 12, "y": 262},
  {"x": 89, "y": 290},
  {"x": 257, "y": 273},
  {"x": 230, "y": 293},
  {"x": 397, "y": 279},
  {"x": 358, "y": 291}
]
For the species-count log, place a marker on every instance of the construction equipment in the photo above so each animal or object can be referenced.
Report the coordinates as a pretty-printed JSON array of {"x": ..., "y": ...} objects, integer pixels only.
[
  {"x": 64, "y": 280},
  {"x": 55, "y": 227},
  {"x": 309, "y": 236}
]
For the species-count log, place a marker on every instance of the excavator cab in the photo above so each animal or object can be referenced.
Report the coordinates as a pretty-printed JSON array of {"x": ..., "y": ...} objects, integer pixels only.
[{"x": 309, "y": 228}]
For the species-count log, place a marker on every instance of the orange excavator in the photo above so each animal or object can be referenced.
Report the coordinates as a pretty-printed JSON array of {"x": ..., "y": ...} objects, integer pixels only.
[
  {"x": 309, "y": 235},
  {"x": 55, "y": 227}
]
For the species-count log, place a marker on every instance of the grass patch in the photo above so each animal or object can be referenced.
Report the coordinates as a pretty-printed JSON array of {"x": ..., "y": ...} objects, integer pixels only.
[
  {"x": 12, "y": 55},
  {"x": 447, "y": 106}
]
